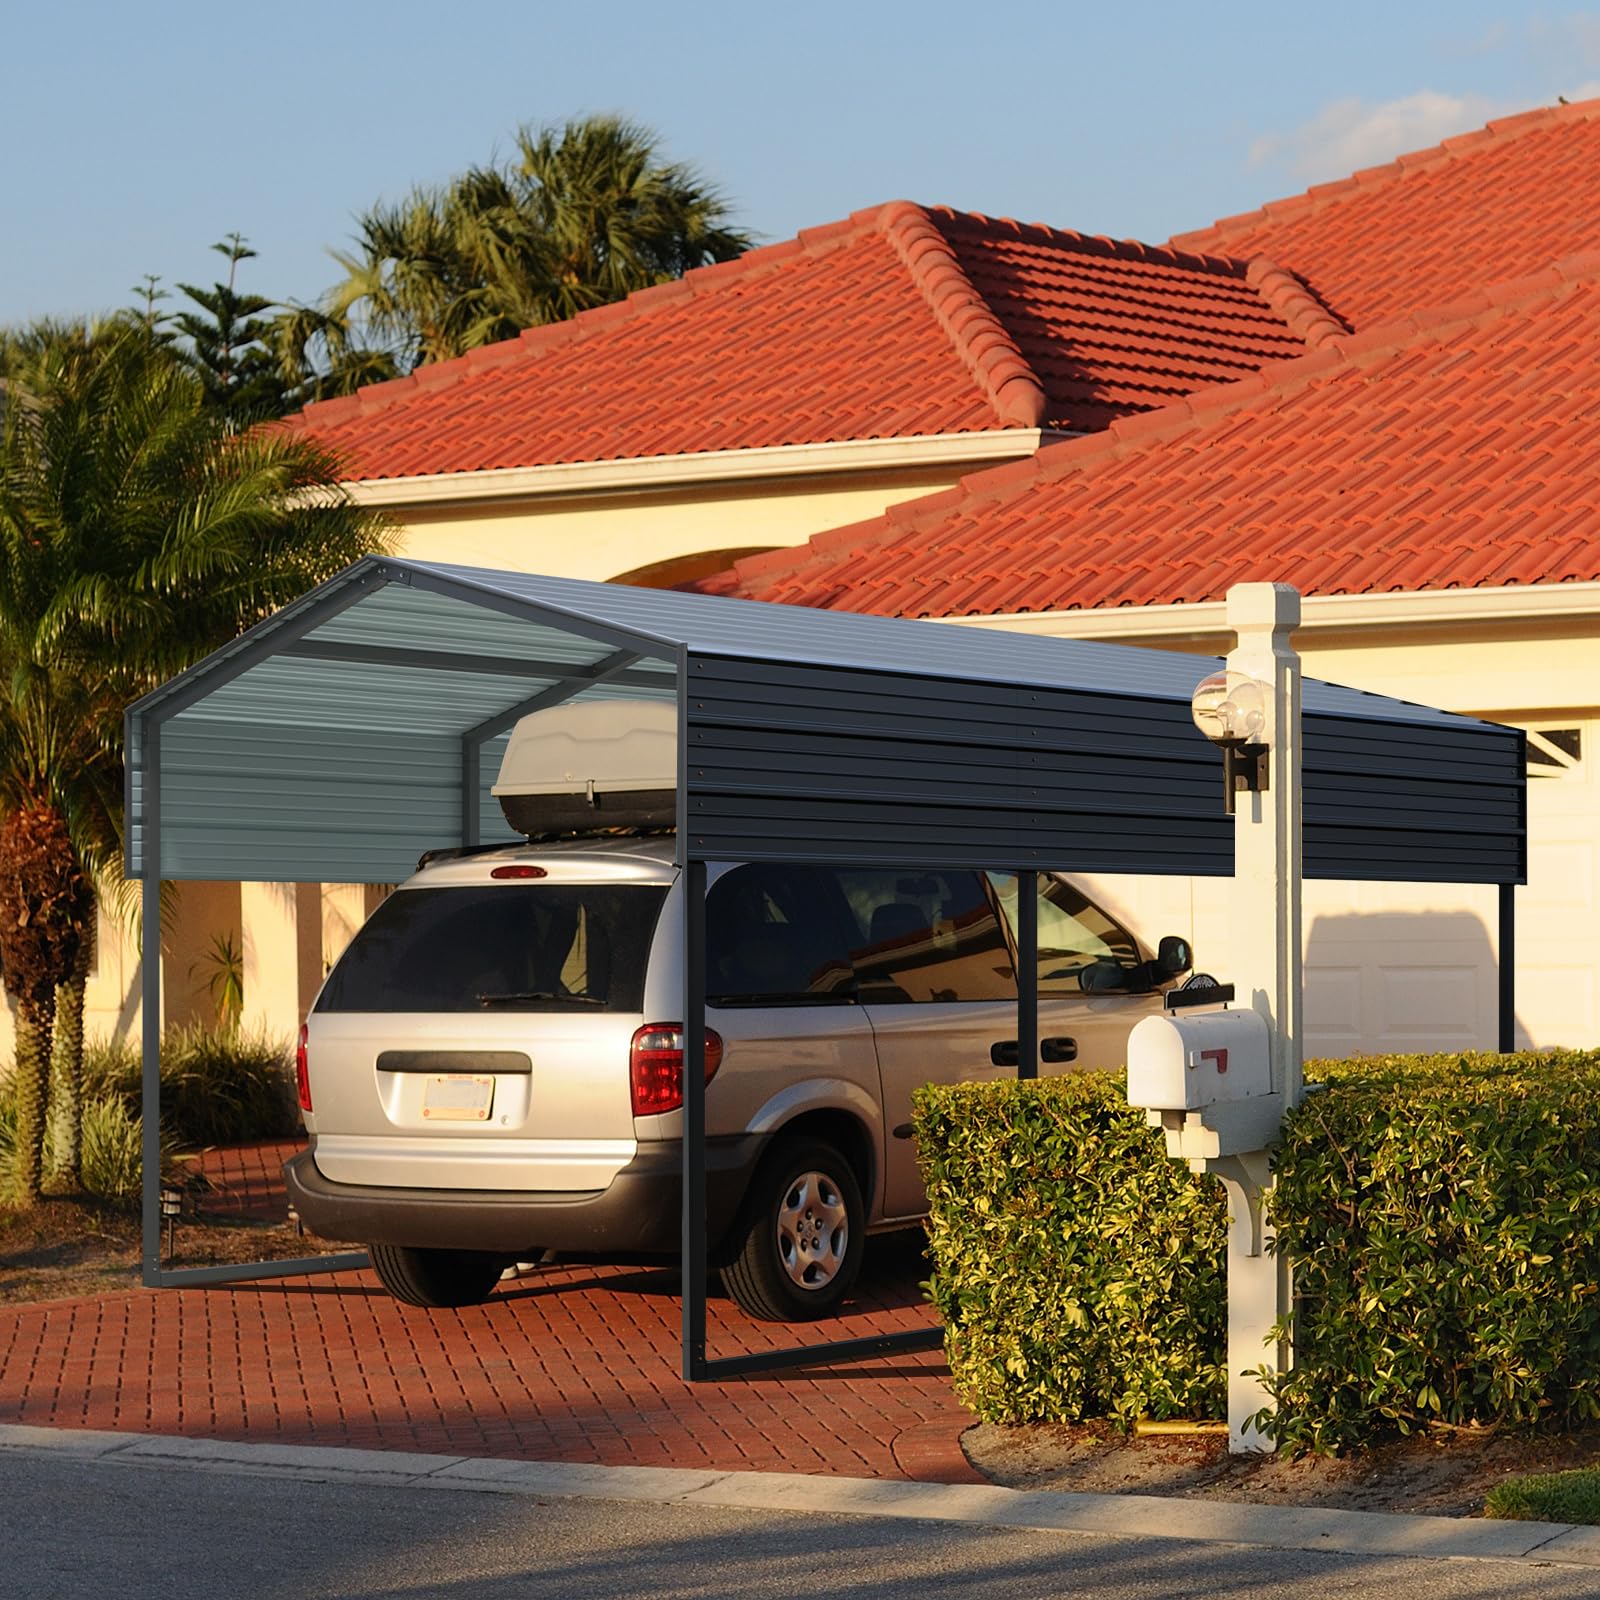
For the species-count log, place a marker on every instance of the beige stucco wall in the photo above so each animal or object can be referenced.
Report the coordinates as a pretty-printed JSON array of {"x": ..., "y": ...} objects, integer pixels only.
[{"x": 605, "y": 535}]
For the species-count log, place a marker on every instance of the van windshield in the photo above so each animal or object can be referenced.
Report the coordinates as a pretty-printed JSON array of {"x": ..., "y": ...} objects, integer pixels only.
[{"x": 496, "y": 947}]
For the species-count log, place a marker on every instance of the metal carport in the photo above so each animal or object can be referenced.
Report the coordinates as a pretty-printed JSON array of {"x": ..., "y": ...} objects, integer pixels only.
[{"x": 359, "y": 726}]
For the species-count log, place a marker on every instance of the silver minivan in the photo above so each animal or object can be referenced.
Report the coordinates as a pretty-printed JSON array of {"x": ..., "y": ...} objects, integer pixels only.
[{"x": 494, "y": 1068}]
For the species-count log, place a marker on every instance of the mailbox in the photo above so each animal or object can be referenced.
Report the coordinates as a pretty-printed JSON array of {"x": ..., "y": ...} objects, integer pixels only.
[
  {"x": 1206, "y": 1081},
  {"x": 1184, "y": 1063}
]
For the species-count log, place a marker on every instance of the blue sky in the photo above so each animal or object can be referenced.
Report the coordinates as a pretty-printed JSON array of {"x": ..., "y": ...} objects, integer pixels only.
[{"x": 137, "y": 135}]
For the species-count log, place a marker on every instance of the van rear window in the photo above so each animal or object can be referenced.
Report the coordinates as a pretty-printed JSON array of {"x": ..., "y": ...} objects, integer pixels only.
[{"x": 494, "y": 947}]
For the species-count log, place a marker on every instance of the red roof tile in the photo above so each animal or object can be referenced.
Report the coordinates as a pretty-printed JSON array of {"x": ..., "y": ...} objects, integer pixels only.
[
  {"x": 896, "y": 322},
  {"x": 1451, "y": 451},
  {"x": 1437, "y": 224}
]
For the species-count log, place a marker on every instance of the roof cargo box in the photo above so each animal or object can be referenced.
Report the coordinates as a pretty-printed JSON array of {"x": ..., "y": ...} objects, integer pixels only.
[{"x": 603, "y": 764}]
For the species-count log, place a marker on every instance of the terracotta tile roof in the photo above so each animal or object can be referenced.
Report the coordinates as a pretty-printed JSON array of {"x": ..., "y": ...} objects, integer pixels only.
[
  {"x": 898, "y": 321},
  {"x": 1453, "y": 450},
  {"x": 1485, "y": 207}
]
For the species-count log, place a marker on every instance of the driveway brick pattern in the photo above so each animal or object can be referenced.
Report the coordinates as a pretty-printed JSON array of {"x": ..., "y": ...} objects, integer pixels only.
[
  {"x": 570, "y": 1364},
  {"x": 245, "y": 1180}
]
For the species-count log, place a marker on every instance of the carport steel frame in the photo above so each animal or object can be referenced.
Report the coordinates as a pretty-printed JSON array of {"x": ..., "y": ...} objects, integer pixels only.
[{"x": 875, "y": 745}]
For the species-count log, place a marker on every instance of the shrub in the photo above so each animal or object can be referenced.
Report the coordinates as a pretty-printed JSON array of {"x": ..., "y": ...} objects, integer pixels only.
[
  {"x": 1440, "y": 1213},
  {"x": 112, "y": 1155},
  {"x": 1078, "y": 1270},
  {"x": 222, "y": 1087}
]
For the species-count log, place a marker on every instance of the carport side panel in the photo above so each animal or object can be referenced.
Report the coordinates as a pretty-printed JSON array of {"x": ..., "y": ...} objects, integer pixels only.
[{"x": 828, "y": 764}]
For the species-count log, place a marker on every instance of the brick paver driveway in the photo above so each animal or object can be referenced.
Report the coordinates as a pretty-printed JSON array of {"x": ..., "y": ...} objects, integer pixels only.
[{"x": 572, "y": 1364}]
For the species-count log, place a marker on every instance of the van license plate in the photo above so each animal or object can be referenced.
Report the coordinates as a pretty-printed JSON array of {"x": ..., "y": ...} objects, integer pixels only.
[{"x": 457, "y": 1097}]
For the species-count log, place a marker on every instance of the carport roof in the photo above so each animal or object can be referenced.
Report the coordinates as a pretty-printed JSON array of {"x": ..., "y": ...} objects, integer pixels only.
[
  {"x": 333, "y": 740},
  {"x": 417, "y": 606}
]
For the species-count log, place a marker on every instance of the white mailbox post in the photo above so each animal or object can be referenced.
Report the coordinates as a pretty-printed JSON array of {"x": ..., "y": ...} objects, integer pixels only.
[{"x": 1218, "y": 1082}]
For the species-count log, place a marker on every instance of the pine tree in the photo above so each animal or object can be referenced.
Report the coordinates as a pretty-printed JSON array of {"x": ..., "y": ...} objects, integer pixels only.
[{"x": 227, "y": 344}]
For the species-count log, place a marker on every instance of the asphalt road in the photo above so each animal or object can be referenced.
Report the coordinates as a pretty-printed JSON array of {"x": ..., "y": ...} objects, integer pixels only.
[{"x": 71, "y": 1530}]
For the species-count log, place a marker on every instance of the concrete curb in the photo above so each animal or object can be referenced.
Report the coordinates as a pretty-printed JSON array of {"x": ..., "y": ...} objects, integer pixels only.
[{"x": 1125, "y": 1516}]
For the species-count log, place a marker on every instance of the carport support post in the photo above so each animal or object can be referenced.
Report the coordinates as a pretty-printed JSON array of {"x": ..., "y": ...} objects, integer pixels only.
[
  {"x": 1265, "y": 963},
  {"x": 1507, "y": 957},
  {"x": 694, "y": 1120},
  {"x": 1028, "y": 974},
  {"x": 150, "y": 1006}
]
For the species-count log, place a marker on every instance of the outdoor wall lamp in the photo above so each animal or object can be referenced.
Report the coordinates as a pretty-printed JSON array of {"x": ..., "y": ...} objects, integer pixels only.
[{"x": 1230, "y": 709}]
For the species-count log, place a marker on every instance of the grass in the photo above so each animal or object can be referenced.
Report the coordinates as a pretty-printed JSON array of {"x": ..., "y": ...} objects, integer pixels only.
[{"x": 1548, "y": 1497}]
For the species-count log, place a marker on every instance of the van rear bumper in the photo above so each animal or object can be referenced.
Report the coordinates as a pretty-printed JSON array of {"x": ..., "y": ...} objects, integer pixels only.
[{"x": 638, "y": 1213}]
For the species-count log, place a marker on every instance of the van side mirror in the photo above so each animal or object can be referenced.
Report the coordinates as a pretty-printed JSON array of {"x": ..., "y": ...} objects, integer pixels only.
[{"x": 1173, "y": 955}]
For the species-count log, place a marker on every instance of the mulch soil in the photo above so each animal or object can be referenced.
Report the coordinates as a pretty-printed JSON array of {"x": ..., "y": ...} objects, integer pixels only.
[{"x": 1447, "y": 1472}]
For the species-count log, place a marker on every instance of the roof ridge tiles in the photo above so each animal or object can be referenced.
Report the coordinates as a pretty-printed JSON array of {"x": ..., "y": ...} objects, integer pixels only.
[
  {"x": 1008, "y": 382},
  {"x": 1497, "y": 129},
  {"x": 1288, "y": 295}
]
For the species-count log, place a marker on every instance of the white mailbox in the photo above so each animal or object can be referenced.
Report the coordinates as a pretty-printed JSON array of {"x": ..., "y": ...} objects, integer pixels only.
[
  {"x": 1206, "y": 1081},
  {"x": 1183, "y": 1063}
]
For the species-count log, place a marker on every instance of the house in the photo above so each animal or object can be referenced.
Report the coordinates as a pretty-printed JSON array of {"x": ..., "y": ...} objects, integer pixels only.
[
  {"x": 881, "y": 413},
  {"x": 1426, "y": 475},
  {"x": 796, "y": 388}
]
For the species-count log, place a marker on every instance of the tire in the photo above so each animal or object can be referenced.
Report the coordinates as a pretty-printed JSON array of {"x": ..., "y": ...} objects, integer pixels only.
[
  {"x": 435, "y": 1278},
  {"x": 800, "y": 1236}
]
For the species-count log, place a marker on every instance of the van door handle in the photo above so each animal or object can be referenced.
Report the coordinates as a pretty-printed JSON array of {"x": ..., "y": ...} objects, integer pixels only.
[{"x": 1003, "y": 1052}]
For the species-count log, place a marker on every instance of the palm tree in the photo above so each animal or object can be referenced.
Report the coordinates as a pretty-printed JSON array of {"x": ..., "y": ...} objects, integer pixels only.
[
  {"x": 583, "y": 215},
  {"x": 138, "y": 531}
]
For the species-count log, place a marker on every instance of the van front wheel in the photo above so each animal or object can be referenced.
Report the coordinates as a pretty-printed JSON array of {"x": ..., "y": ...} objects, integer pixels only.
[
  {"x": 435, "y": 1278},
  {"x": 803, "y": 1230}
]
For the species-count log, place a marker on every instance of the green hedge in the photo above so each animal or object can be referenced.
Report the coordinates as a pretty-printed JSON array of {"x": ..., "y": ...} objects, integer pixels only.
[
  {"x": 1078, "y": 1271},
  {"x": 1441, "y": 1211}
]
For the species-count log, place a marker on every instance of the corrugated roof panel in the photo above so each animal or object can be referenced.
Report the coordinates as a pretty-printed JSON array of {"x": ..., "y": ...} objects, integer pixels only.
[
  {"x": 422, "y": 620},
  {"x": 343, "y": 694},
  {"x": 715, "y": 625}
]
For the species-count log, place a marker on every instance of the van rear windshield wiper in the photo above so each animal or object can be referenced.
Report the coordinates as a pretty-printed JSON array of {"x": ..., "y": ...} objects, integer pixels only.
[{"x": 532, "y": 996}]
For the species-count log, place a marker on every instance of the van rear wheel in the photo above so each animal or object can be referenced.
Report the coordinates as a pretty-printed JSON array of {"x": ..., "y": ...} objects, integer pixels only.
[
  {"x": 803, "y": 1230},
  {"x": 435, "y": 1278}
]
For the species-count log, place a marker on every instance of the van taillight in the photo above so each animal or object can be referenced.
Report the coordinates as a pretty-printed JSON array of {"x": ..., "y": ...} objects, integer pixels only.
[
  {"x": 302, "y": 1072},
  {"x": 655, "y": 1066}
]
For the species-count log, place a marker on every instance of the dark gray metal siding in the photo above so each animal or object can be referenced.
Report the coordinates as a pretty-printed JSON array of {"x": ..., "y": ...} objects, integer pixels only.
[
  {"x": 823, "y": 763},
  {"x": 1414, "y": 804}
]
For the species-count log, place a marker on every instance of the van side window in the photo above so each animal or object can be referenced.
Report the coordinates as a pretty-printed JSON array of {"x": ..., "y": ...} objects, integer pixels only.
[
  {"x": 777, "y": 933},
  {"x": 925, "y": 936},
  {"x": 1074, "y": 933}
]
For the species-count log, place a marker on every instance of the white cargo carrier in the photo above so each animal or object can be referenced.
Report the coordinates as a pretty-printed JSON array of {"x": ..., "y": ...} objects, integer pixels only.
[{"x": 603, "y": 764}]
